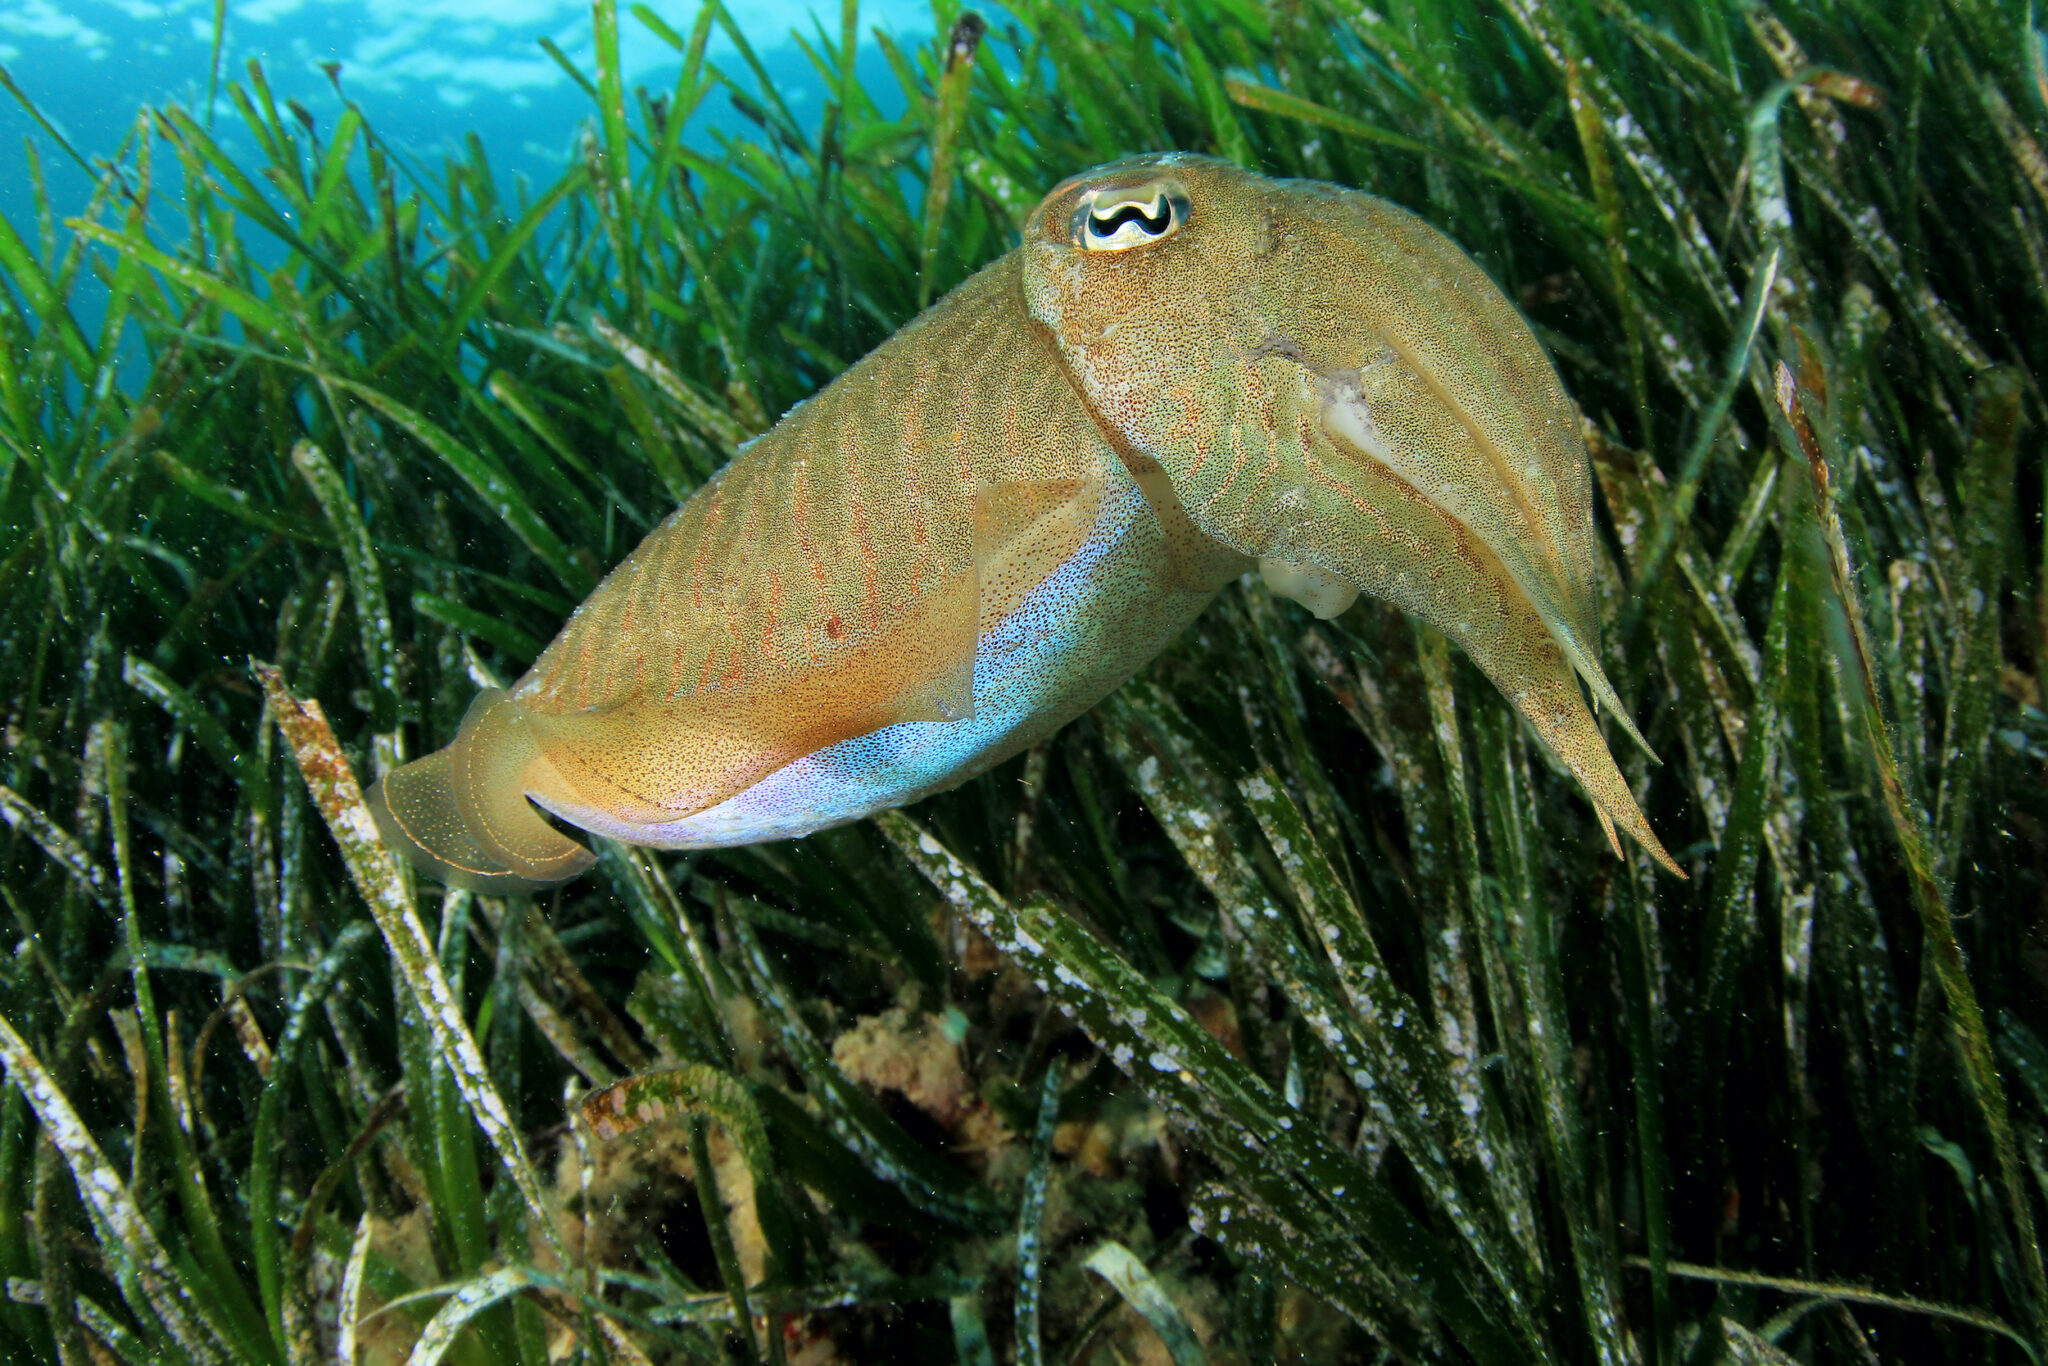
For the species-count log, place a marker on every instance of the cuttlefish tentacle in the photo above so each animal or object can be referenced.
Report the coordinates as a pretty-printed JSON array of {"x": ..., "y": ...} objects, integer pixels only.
[{"x": 1009, "y": 507}]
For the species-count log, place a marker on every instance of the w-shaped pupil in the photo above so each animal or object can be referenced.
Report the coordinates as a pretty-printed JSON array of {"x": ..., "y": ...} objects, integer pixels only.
[{"x": 1152, "y": 223}]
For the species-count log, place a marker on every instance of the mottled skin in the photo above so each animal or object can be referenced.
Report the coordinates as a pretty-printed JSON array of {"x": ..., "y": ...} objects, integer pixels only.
[{"x": 1009, "y": 507}]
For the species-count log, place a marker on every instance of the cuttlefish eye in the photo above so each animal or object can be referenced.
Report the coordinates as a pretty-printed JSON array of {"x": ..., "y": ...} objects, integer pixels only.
[{"x": 1119, "y": 219}]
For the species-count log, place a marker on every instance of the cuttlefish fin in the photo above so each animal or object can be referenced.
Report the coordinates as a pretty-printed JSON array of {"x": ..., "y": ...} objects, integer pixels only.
[
  {"x": 1024, "y": 532},
  {"x": 461, "y": 813}
]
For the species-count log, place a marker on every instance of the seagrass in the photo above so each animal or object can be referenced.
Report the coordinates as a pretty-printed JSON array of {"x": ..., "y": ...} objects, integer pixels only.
[{"x": 1309, "y": 990}]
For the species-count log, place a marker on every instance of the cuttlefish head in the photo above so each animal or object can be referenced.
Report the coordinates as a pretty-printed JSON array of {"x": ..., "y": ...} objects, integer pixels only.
[{"x": 1332, "y": 386}]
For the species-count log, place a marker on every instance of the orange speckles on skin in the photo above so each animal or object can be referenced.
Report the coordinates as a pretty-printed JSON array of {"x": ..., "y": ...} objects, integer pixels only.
[
  {"x": 771, "y": 615},
  {"x": 1191, "y": 409},
  {"x": 700, "y": 553},
  {"x": 735, "y": 669}
]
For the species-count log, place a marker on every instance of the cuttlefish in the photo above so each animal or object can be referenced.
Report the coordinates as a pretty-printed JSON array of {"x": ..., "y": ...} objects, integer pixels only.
[{"x": 1004, "y": 511}]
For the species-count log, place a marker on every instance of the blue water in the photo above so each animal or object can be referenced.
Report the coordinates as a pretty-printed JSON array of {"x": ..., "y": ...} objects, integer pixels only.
[{"x": 424, "y": 72}]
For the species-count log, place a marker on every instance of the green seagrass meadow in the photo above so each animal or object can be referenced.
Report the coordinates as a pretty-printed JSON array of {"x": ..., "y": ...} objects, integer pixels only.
[{"x": 1287, "y": 1008}]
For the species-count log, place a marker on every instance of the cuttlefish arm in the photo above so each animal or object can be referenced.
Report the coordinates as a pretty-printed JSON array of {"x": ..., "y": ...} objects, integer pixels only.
[{"x": 1336, "y": 389}]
